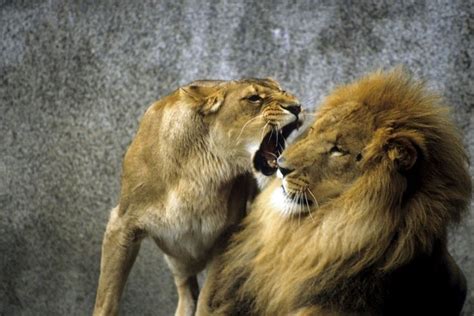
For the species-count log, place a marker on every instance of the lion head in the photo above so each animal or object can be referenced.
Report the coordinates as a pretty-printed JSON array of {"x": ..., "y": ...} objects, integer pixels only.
[
  {"x": 371, "y": 185},
  {"x": 382, "y": 147},
  {"x": 375, "y": 181}
]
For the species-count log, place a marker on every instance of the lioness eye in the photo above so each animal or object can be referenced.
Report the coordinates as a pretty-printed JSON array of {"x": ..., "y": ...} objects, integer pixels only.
[
  {"x": 336, "y": 151},
  {"x": 255, "y": 98},
  {"x": 359, "y": 157}
]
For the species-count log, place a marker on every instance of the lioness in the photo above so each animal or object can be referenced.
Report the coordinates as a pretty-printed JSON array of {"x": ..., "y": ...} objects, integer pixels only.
[
  {"x": 357, "y": 224},
  {"x": 186, "y": 178}
]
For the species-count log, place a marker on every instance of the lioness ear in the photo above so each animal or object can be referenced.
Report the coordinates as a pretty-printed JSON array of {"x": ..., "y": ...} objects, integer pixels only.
[
  {"x": 206, "y": 99},
  {"x": 213, "y": 103},
  {"x": 404, "y": 150},
  {"x": 273, "y": 82}
]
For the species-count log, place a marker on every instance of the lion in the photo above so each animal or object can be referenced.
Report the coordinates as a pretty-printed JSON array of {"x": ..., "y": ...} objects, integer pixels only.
[
  {"x": 356, "y": 223},
  {"x": 187, "y": 177}
]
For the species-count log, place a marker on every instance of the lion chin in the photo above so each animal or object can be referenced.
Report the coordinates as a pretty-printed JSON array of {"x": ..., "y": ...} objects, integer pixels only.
[
  {"x": 356, "y": 223},
  {"x": 290, "y": 206}
]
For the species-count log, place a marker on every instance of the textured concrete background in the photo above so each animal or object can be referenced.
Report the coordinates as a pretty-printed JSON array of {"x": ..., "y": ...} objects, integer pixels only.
[{"x": 76, "y": 76}]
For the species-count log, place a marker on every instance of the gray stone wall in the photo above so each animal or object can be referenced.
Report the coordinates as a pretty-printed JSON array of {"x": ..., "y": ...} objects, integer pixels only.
[{"x": 76, "y": 76}]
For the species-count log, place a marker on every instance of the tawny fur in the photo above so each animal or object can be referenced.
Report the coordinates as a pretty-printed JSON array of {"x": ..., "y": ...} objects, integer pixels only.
[
  {"x": 186, "y": 178},
  {"x": 386, "y": 173}
]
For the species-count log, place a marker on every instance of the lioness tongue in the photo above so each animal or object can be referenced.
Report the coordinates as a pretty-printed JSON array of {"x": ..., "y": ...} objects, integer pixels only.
[
  {"x": 269, "y": 151},
  {"x": 271, "y": 159}
]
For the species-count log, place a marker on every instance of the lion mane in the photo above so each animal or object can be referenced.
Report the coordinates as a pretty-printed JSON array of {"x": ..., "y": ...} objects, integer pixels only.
[{"x": 376, "y": 245}]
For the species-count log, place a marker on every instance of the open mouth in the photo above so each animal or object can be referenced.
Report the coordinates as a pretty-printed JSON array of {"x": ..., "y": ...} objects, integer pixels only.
[{"x": 265, "y": 159}]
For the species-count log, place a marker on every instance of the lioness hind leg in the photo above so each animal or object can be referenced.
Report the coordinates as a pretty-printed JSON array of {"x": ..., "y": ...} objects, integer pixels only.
[
  {"x": 186, "y": 285},
  {"x": 188, "y": 291},
  {"x": 119, "y": 250}
]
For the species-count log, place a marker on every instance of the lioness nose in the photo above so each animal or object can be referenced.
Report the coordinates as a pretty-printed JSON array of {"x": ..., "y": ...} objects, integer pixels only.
[
  {"x": 294, "y": 108},
  {"x": 284, "y": 171}
]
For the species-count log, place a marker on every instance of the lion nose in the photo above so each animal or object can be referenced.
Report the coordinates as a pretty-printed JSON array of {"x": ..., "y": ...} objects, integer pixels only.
[
  {"x": 284, "y": 171},
  {"x": 294, "y": 108}
]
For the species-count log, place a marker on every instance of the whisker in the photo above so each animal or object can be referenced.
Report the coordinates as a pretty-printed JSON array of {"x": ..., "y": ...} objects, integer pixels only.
[
  {"x": 315, "y": 200},
  {"x": 299, "y": 213},
  {"x": 294, "y": 203},
  {"x": 276, "y": 132},
  {"x": 284, "y": 140},
  {"x": 273, "y": 155},
  {"x": 307, "y": 205},
  {"x": 271, "y": 131},
  {"x": 300, "y": 199},
  {"x": 245, "y": 125},
  {"x": 289, "y": 205},
  {"x": 263, "y": 131}
]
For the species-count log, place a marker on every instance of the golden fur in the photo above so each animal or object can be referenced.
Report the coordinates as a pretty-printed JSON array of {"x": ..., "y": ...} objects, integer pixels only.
[
  {"x": 186, "y": 179},
  {"x": 357, "y": 225}
]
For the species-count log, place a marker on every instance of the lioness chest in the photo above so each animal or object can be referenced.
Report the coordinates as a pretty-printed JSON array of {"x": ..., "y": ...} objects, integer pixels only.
[{"x": 191, "y": 217}]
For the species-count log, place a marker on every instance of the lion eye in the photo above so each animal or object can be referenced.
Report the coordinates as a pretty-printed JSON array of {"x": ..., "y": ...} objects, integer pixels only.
[
  {"x": 359, "y": 157},
  {"x": 336, "y": 151},
  {"x": 255, "y": 98}
]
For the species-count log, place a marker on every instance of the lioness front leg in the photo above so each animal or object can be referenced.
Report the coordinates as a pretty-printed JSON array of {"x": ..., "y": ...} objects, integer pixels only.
[
  {"x": 187, "y": 286},
  {"x": 119, "y": 250}
]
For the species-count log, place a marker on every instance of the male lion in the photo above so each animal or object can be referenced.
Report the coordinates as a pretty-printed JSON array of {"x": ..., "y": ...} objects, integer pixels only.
[
  {"x": 357, "y": 225},
  {"x": 186, "y": 178}
]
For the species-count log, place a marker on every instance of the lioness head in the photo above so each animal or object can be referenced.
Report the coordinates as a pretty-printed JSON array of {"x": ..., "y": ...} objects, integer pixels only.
[
  {"x": 383, "y": 140},
  {"x": 248, "y": 116}
]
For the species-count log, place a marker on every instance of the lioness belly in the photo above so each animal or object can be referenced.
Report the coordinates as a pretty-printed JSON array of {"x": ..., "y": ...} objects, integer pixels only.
[
  {"x": 186, "y": 231},
  {"x": 189, "y": 242}
]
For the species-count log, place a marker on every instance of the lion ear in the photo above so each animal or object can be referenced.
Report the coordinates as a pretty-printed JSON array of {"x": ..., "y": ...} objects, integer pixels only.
[
  {"x": 404, "y": 149},
  {"x": 206, "y": 99}
]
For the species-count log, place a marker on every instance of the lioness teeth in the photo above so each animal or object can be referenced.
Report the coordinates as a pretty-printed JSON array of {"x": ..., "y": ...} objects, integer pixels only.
[{"x": 270, "y": 148}]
